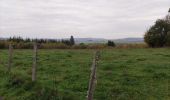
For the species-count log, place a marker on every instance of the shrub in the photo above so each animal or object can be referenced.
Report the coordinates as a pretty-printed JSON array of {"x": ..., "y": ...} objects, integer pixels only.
[
  {"x": 2, "y": 45},
  {"x": 111, "y": 43}
]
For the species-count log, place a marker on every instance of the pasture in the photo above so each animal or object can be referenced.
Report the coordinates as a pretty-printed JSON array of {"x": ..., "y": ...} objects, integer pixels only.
[{"x": 122, "y": 74}]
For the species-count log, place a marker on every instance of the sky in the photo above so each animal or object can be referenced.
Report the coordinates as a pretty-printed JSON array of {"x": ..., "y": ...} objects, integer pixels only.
[{"x": 109, "y": 19}]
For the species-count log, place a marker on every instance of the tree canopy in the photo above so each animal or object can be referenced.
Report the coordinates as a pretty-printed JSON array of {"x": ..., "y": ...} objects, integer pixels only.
[{"x": 158, "y": 34}]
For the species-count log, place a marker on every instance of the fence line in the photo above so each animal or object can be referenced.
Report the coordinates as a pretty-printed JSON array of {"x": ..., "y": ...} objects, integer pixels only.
[
  {"x": 34, "y": 66},
  {"x": 10, "y": 56},
  {"x": 93, "y": 79}
]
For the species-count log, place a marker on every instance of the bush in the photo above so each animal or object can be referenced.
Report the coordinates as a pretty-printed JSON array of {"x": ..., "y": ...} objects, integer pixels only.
[
  {"x": 111, "y": 43},
  {"x": 2, "y": 45}
]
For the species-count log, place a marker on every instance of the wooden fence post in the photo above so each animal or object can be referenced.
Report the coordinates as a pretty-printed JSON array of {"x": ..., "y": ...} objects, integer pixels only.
[
  {"x": 92, "y": 77},
  {"x": 10, "y": 54},
  {"x": 34, "y": 63}
]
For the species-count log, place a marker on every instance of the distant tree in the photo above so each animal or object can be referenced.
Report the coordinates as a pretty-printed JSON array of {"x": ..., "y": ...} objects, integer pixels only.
[
  {"x": 16, "y": 39},
  {"x": 72, "y": 42},
  {"x": 27, "y": 40},
  {"x": 111, "y": 43},
  {"x": 66, "y": 42}
]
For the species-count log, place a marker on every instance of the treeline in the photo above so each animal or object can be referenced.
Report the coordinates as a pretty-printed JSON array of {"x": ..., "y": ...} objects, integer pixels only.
[
  {"x": 41, "y": 41},
  {"x": 21, "y": 43},
  {"x": 27, "y": 43}
]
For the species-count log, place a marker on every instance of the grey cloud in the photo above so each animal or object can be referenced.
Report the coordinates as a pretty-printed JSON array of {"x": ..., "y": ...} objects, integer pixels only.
[{"x": 82, "y": 18}]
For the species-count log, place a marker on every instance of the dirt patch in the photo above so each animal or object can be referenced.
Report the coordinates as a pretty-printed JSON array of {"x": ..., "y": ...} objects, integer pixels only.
[{"x": 1, "y": 98}]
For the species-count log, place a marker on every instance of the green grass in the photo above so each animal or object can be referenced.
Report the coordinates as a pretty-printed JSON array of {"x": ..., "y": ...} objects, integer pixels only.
[
  {"x": 122, "y": 74},
  {"x": 134, "y": 74},
  {"x": 64, "y": 73}
]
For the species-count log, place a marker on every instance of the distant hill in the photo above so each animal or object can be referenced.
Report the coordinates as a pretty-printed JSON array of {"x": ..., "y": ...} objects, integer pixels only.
[
  {"x": 102, "y": 40},
  {"x": 129, "y": 40},
  {"x": 2, "y": 38},
  {"x": 90, "y": 40}
]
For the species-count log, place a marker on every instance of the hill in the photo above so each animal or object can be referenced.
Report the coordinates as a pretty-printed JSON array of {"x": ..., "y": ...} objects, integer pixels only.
[
  {"x": 102, "y": 40},
  {"x": 129, "y": 40}
]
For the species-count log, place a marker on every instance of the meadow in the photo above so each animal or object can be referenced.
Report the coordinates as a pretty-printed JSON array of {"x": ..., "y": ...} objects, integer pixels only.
[{"x": 122, "y": 74}]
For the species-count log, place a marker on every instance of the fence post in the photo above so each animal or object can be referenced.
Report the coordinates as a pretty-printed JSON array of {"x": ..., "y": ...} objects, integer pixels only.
[
  {"x": 92, "y": 77},
  {"x": 34, "y": 63},
  {"x": 10, "y": 54}
]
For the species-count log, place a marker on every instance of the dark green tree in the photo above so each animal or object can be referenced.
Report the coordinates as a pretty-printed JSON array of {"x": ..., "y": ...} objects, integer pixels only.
[
  {"x": 111, "y": 43},
  {"x": 157, "y": 34},
  {"x": 168, "y": 39},
  {"x": 72, "y": 42}
]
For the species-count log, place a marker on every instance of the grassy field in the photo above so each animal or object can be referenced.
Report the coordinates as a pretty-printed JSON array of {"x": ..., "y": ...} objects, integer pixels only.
[
  {"x": 122, "y": 74},
  {"x": 134, "y": 74},
  {"x": 62, "y": 74}
]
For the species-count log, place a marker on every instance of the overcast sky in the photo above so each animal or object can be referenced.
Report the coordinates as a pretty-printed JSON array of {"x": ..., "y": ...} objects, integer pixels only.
[{"x": 82, "y": 18}]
